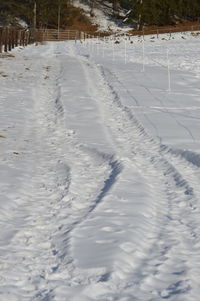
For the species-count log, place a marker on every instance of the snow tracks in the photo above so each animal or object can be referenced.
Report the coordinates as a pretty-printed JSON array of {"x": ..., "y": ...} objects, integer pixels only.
[
  {"x": 61, "y": 184},
  {"x": 102, "y": 211},
  {"x": 159, "y": 259}
]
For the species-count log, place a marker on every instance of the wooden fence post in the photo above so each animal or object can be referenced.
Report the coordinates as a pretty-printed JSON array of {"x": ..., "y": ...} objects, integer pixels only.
[
  {"x": 20, "y": 38},
  {"x": 9, "y": 39},
  {"x": 26, "y": 39},
  {"x": 17, "y": 38},
  {"x": 13, "y": 37},
  {"x": 1, "y": 40},
  {"x": 5, "y": 33}
]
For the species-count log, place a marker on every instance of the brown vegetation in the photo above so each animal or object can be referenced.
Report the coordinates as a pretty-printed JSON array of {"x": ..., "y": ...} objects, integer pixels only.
[
  {"x": 181, "y": 27},
  {"x": 79, "y": 21}
]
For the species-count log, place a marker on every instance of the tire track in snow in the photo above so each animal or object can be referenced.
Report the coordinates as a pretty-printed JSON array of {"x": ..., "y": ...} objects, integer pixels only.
[
  {"x": 37, "y": 263},
  {"x": 136, "y": 102},
  {"x": 29, "y": 259},
  {"x": 168, "y": 262},
  {"x": 166, "y": 110},
  {"x": 171, "y": 114},
  {"x": 172, "y": 155},
  {"x": 80, "y": 205}
]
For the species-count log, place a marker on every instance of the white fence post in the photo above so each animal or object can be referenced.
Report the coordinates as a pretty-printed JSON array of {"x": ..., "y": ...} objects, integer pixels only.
[
  {"x": 125, "y": 50},
  {"x": 97, "y": 44},
  {"x": 104, "y": 44},
  {"x": 113, "y": 49},
  {"x": 143, "y": 54},
  {"x": 168, "y": 72}
]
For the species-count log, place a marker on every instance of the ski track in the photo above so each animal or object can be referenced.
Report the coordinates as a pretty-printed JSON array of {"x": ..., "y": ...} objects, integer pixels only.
[{"x": 160, "y": 258}]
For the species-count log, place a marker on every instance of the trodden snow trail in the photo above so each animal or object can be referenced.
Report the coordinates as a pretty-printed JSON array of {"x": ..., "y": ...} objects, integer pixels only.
[
  {"x": 103, "y": 210},
  {"x": 59, "y": 193},
  {"x": 162, "y": 263}
]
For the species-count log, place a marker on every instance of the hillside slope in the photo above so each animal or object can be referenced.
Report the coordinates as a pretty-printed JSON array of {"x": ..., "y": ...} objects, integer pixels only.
[
  {"x": 102, "y": 15},
  {"x": 100, "y": 171}
]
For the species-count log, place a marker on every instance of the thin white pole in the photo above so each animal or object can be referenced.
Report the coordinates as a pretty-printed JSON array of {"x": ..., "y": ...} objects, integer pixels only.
[
  {"x": 110, "y": 43},
  {"x": 143, "y": 54},
  {"x": 97, "y": 44},
  {"x": 104, "y": 42},
  {"x": 89, "y": 43},
  {"x": 113, "y": 49},
  {"x": 93, "y": 43},
  {"x": 168, "y": 72},
  {"x": 125, "y": 50}
]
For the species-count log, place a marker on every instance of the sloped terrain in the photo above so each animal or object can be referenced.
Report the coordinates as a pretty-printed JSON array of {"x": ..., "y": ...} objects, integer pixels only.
[
  {"x": 102, "y": 15},
  {"x": 99, "y": 171}
]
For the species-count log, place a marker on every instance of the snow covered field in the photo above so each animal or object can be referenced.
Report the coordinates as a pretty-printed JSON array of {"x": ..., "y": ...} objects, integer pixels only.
[{"x": 99, "y": 171}]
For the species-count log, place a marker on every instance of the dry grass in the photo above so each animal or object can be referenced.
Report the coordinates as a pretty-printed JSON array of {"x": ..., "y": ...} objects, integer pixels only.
[
  {"x": 180, "y": 27},
  {"x": 79, "y": 21},
  {"x": 3, "y": 74},
  {"x": 6, "y": 55}
]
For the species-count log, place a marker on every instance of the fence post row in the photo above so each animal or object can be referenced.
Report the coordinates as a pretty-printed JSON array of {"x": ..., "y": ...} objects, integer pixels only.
[
  {"x": 12, "y": 37},
  {"x": 40, "y": 35}
]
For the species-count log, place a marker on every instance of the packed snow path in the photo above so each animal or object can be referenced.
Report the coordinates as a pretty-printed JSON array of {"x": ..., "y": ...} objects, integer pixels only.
[{"x": 97, "y": 200}]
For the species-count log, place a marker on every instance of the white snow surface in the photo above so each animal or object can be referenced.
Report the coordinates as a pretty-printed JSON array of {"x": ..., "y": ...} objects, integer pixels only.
[{"x": 100, "y": 171}]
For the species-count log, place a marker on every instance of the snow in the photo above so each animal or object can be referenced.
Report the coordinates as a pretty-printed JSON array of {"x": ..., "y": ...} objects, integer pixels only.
[
  {"x": 99, "y": 170},
  {"x": 102, "y": 16}
]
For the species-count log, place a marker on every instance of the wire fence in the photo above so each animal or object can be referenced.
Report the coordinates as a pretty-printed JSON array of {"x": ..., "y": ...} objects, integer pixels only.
[
  {"x": 147, "y": 31},
  {"x": 63, "y": 35},
  {"x": 169, "y": 30},
  {"x": 13, "y": 37},
  {"x": 41, "y": 35}
]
